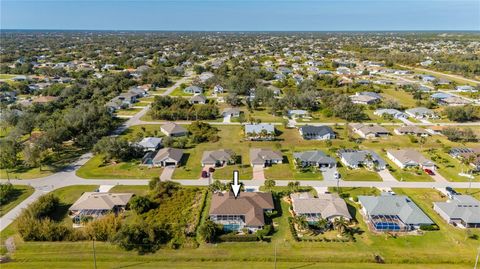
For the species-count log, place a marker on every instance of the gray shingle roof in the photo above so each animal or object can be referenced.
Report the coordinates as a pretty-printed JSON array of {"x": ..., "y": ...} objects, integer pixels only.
[
  {"x": 257, "y": 128},
  {"x": 316, "y": 156},
  {"x": 395, "y": 205},
  {"x": 463, "y": 207},
  {"x": 309, "y": 130}
]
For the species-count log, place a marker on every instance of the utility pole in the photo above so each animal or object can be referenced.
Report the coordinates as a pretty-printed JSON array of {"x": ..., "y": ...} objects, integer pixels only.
[
  {"x": 476, "y": 260},
  {"x": 275, "y": 258},
  {"x": 94, "y": 255}
]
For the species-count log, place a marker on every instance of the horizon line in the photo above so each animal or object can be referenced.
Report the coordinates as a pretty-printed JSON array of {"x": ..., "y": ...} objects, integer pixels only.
[{"x": 232, "y": 31}]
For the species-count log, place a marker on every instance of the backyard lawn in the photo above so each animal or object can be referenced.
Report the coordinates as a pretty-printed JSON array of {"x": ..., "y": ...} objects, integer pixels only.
[{"x": 20, "y": 193}]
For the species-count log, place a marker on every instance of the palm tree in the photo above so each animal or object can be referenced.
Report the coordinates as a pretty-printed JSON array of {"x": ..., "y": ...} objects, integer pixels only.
[
  {"x": 301, "y": 222},
  {"x": 322, "y": 224},
  {"x": 341, "y": 225}
]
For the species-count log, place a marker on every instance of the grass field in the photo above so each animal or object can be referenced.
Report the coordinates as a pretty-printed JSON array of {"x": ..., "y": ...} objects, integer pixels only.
[
  {"x": 20, "y": 193},
  {"x": 128, "y": 111},
  {"x": 360, "y": 174},
  {"x": 56, "y": 162},
  {"x": 446, "y": 248},
  {"x": 96, "y": 169}
]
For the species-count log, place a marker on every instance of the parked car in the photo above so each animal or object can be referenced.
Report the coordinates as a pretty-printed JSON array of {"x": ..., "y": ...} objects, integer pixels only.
[
  {"x": 451, "y": 192},
  {"x": 211, "y": 170},
  {"x": 205, "y": 174},
  {"x": 428, "y": 171}
]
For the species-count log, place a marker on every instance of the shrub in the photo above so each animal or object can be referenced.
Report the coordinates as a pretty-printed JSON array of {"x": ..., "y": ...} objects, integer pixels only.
[
  {"x": 142, "y": 237},
  {"x": 103, "y": 229},
  {"x": 6, "y": 191},
  {"x": 238, "y": 238},
  {"x": 140, "y": 204},
  {"x": 429, "y": 227}
]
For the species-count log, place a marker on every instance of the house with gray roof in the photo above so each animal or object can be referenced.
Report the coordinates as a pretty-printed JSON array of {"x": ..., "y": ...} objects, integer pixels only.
[
  {"x": 369, "y": 131},
  {"x": 297, "y": 113},
  {"x": 411, "y": 130},
  {"x": 392, "y": 213},
  {"x": 421, "y": 113},
  {"x": 406, "y": 158},
  {"x": 265, "y": 157},
  {"x": 314, "y": 158},
  {"x": 396, "y": 114},
  {"x": 261, "y": 131},
  {"x": 167, "y": 157},
  {"x": 150, "y": 143},
  {"x": 173, "y": 129},
  {"x": 193, "y": 90},
  {"x": 465, "y": 88},
  {"x": 198, "y": 99},
  {"x": 355, "y": 159},
  {"x": 309, "y": 132},
  {"x": 461, "y": 211},
  {"x": 231, "y": 111},
  {"x": 218, "y": 158},
  {"x": 326, "y": 206},
  {"x": 245, "y": 211}
]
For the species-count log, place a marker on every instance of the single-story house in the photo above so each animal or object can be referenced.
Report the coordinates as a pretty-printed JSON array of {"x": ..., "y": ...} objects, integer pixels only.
[
  {"x": 150, "y": 143},
  {"x": 405, "y": 158},
  {"x": 369, "y": 131},
  {"x": 167, "y": 157},
  {"x": 218, "y": 158},
  {"x": 193, "y": 90},
  {"x": 262, "y": 131},
  {"x": 393, "y": 112},
  {"x": 231, "y": 111},
  {"x": 309, "y": 132},
  {"x": 465, "y": 88},
  {"x": 246, "y": 211},
  {"x": 363, "y": 99},
  {"x": 392, "y": 213},
  {"x": 297, "y": 113},
  {"x": 97, "y": 204},
  {"x": 453, "y": 101},
  {"x": 471, "y": 154},
  {"x": 327, "y": 206},
  {"x": 265, "y": 157},
  {"x": 411, "y": 130},
  {"x": 421, "y": 113},
  {"x": 462, "y": 211},
  {"x": 173, "y": 129},
  {"x": 198, "y": 99},
  {"x": 314, "y": 158},
  {"x": 357, "y": 158},
  {"x": 218, "y": 89}
]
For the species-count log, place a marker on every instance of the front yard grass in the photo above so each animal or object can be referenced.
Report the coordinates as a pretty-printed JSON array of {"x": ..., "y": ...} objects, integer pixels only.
[
  {"x": 96, "y": 169},
  {"x": 360, "y": 174},
  {"x": 20, "y": 193},
  {"x": 128, "y": 111}
]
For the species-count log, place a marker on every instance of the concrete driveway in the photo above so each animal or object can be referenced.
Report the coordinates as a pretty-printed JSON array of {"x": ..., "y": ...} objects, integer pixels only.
[
  {"x": 167, "y": 173},
  {"x": 258, "y": 172},
  {"x": 439, "y": 178},
  {"x": 227, "y": 119},
  {"x": 329, "y": 173},
  {"x": 386, "y": 175}
]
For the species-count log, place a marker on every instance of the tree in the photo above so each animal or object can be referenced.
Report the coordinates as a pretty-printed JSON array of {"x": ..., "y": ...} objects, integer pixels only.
[
  {"x": 8, "y": 154},
  {"x": 461, "y": 113},
  {"x": 141, "y": 236},
  {"x": 140, "y": 204},
  {"x": 301, "y": 222},
  {"x": 269, "y": 184},
  {"x": 217, "y": 186},
  {"x": 293, "y": 185},
  {"x": 209, "y": 231},
  {"x": 6, "y": 191},
  {"x": 341, "y": 225}
]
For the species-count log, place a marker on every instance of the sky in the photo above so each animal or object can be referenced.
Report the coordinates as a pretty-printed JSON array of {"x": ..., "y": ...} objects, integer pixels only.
[{"x": 241, "y": 15}]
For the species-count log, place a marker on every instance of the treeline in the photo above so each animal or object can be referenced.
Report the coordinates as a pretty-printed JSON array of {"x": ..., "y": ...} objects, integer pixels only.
[{"x": 168, "y": 108}]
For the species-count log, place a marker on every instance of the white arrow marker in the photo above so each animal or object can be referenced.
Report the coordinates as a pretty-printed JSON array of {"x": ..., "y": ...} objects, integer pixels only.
[{"x": 236, "y": 185}]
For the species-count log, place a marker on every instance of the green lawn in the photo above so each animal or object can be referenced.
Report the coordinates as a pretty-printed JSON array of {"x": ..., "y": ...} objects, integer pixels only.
[
  {"x": 448, "y": 167},
  {"x": 360, "y": 174},
  {"x": 95, "y": 169},
  {"x": 55, "y": 162},
  {"x": 128, "y": 111},
  {"x": 138, "y": 190},
  {"x": 402, "y": 97},
  {"x": 7, "y": 76},
  {"x": 20, "y": 193},
  {"x": 138, "y": 131}
]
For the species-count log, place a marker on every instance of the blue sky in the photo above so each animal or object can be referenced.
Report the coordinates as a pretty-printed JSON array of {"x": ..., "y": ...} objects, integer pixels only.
[{"x": 242, "y": 15}]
